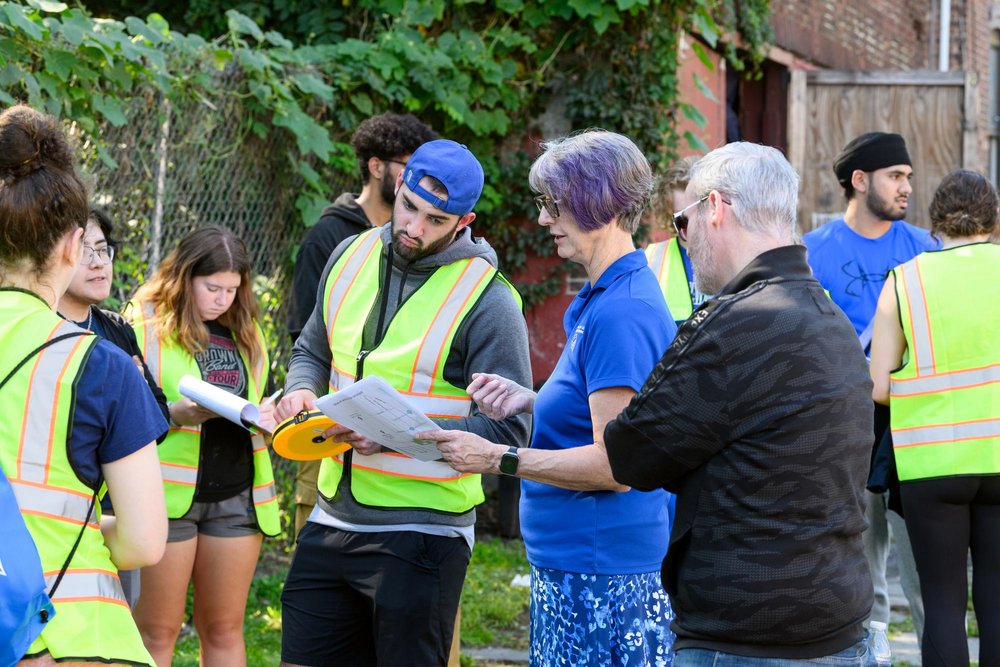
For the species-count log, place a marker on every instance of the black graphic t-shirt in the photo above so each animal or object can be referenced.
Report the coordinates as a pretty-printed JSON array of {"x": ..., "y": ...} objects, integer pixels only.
[{"x": 226, "y": 452}]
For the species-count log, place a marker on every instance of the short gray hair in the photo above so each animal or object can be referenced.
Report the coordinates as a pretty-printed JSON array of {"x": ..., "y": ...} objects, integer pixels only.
[
  {"x": 762, "y": 185},
  {"x": 596, "y": 176}
]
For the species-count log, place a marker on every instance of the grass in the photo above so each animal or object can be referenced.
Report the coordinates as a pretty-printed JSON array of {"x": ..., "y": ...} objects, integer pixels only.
[{"x": 493, "y": 612}]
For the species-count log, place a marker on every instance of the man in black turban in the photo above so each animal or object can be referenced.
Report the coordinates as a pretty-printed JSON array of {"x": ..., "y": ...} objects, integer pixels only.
[{"x": 851, "y": 257}]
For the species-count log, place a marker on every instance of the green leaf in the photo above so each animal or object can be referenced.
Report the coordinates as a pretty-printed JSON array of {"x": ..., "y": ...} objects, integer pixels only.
[
  {"x": 310, "y": 136},
  {"x": 60, "y": 63},
  {"x": 706, "y": 26},
  {"x": 695, "y": 142},
  {"x": 106, "y": 158},
  {"x": 75, "y": 28},
  {"x": 310, "y": 84},
  {"x": 34, "y": 91},
  {"x": 310, "y": 207},
  {"x": 5, "y": 98},
  {"x": 703, "y": 56},
  {"x": 49, "y": 6},
  {"x": 19, "y": 19},
  {"x": 278, "y": 40},
  {"x": 362, "y": 103},
  {"x": 705, "y": 90},
  {"x": 220, "y": 57},
  {"x": 585, "y": 8},
  {"x": 243, "y": 25},
  {"x": 310, "y": 175},
  {"x": 139, "y": 28},
  {"x": 110, "y": 108},
  {"x": 694, "y": 114}
]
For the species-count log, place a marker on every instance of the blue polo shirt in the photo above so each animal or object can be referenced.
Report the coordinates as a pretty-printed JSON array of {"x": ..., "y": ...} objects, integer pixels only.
[
  {"x": 616, "y": 331},
  {"x": 853, "y": 268}
]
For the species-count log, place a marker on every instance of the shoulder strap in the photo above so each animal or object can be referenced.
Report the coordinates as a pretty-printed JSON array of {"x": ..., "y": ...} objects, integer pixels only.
[
  {"x": 51, "y": 341},
  {"x": 93, "y": 500}
]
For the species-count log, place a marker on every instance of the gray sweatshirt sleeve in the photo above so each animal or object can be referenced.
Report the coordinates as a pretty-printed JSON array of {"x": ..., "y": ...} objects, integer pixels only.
[
  {"x": 309, "y": 366},
  {"x": 493, "y": 339}
]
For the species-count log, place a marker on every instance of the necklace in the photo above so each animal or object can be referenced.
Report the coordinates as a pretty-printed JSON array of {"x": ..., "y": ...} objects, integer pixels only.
[{"x": 90, "y": 317}]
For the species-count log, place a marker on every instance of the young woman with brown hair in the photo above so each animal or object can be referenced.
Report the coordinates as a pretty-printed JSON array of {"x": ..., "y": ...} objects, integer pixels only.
[{"x": 197, "y": 316}]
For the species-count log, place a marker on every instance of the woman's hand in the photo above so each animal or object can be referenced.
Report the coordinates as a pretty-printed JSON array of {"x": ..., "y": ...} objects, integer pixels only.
[
  {"x": 499, "y": 398},
  {"x": 186, "y": 412},
  {"x": 466, "y": 452},
  {"x": 267, "y": 416}
]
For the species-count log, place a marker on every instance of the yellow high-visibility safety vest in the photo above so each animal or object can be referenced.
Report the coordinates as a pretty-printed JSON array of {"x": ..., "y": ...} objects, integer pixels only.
[
  {"x": 666, "y": 262},
  {"x": 92, "y": 621},
  {"x": 180, "y": 452},
  {"x": 945, "y": 398},
  {"x": 411, "y": 357}
]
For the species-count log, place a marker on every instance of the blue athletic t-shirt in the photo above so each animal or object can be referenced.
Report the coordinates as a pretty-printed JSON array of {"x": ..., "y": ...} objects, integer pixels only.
[
  {"x": 853, "y": 268},
  {"x": 116, "y": 414},
  {"x": 616, "y": 331}
]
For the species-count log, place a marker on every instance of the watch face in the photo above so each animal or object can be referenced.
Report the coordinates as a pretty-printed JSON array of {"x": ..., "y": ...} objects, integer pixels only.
[{"x": 508, "y": 463}]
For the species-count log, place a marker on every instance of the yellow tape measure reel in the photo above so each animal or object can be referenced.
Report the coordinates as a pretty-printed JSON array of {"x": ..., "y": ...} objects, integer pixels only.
[{"x": 300, "y": 438}]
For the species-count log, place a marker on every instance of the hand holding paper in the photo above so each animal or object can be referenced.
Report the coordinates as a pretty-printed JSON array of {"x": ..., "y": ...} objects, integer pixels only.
[
  {"x": 226, "y": 405},
  {"x": 378, "y": 413}
]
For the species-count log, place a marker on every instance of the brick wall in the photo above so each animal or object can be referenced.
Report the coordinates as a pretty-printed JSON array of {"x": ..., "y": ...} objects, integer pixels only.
[{"x": 858, "y": 35}]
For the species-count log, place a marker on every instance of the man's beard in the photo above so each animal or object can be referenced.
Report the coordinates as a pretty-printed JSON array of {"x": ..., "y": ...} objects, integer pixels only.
[
  {"x": 387, "y": 188},
  {"x": 702, "y": 254},
  {"x": 882, "y": 209},
  {"x": 413, "y": 254}
]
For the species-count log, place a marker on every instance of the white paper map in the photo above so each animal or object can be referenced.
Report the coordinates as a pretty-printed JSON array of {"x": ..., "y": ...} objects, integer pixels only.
[{"x": 380, "y": 413}]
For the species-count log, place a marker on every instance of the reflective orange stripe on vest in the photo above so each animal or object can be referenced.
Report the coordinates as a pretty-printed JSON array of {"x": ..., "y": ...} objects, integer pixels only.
[
  {"x": 87, "y": 585},
  {"x": 973, "y": 377},
  {"x": 930, "y": 435},
  {"x": 435, "y": 344},
  {"x": 40, "y": 410},
  {"x": 400, "y": 465},
  {"x": 53, "y": 503},
  {"x": 339, "y": 288},
  {"x": 922, "y": 347}
]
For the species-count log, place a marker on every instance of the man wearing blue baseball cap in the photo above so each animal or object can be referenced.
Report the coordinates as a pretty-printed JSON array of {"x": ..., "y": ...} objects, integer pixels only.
[{"x": 379, "y": 566}]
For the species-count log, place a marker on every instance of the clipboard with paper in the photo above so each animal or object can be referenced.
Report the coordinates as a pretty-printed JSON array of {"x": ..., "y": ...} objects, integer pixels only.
[{"x": 373, "y": 408}]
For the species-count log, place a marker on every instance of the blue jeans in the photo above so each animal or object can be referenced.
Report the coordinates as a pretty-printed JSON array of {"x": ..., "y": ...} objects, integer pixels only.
[{"x": 858, "y": 655}]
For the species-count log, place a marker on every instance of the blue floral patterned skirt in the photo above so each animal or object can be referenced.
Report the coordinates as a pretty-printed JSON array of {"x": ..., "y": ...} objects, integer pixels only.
[{"x": 599, "y": 620}]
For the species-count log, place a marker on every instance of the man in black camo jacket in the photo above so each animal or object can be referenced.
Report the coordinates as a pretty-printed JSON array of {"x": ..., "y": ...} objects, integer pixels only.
[{"x": 759, "y": 418}]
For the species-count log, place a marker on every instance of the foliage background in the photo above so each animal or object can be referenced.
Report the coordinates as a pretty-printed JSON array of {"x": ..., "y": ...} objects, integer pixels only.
[{"x": 191, "y": 113}]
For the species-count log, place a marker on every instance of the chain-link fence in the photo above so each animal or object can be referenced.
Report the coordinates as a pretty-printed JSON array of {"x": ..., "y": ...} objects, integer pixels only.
[{"x": 183, "y": 165}]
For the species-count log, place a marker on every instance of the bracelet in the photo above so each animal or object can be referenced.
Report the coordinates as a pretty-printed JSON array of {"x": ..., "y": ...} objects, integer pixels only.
[{"x": 170, "y": 417}]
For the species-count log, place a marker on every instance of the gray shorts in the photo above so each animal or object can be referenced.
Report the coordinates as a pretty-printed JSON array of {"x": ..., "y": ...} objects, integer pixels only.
[{"x": 232, "y": 517}]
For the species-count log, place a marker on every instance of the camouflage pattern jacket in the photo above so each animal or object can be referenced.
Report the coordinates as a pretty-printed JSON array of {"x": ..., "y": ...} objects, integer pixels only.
[{"x": 759, "y": 417}]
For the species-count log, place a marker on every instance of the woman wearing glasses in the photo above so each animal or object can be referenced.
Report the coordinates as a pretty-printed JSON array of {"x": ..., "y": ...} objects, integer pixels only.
[
  {"x": 594, "y": 545},
  {"x": 91, "y": 285},
  {"x": 75, "y": 416},
  {"x": 669, "y": 259}
]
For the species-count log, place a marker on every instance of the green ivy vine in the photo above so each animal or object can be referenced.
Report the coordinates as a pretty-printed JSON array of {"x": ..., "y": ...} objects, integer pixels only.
[{"x": 480, "y": 72}]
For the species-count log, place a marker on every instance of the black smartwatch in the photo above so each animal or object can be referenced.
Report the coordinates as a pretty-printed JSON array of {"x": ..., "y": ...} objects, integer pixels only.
[{"x": 509, "y": 461}]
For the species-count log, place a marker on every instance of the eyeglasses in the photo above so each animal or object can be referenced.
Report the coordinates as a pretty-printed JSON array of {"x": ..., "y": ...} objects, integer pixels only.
[
  {"x": 681, "y": 219},
  {"x": 106, "y": 253},
  {"x": 549, "y": 204},
  {"x": 401, "y": 163}
]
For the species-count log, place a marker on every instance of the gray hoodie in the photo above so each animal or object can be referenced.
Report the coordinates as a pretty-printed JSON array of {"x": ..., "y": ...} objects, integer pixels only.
[{"x": 492, "y": 339}]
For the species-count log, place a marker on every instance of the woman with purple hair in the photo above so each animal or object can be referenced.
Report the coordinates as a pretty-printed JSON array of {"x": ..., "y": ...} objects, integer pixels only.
[{"x": 594, "y": 545}]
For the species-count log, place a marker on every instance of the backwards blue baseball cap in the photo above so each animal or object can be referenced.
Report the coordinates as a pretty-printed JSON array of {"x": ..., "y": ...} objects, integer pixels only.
[{"x": 455, "y": 166}]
